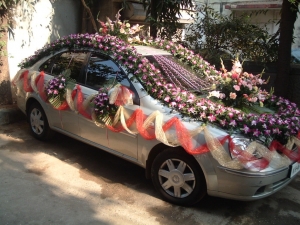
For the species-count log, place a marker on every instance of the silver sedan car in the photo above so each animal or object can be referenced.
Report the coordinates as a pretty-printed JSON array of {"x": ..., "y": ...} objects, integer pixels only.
[{"x": 180, "y": 175}]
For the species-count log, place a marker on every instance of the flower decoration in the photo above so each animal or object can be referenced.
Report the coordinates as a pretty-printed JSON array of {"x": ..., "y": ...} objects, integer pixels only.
[
  {"x": 56, "y": 88},
  {"x": 237, "y": 88},
  {"x": 280, "y": 125},
  {"x": 104, "y": 111},
  {"x": 121, "y": 29}
]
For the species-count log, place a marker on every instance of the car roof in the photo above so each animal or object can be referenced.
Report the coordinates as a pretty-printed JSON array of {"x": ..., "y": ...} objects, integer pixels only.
[{"x": 147, "y": 50}]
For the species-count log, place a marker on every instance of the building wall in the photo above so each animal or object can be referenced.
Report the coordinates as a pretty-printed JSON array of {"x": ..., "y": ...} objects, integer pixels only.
[{"x": 45, "y": 21}]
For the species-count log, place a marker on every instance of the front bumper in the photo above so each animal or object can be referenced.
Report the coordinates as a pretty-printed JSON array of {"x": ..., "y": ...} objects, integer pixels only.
[{"x": 245, "y": 185}]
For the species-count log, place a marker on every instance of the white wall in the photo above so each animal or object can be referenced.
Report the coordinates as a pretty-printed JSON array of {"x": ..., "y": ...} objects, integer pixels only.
[{"x": 45, "y": 21}]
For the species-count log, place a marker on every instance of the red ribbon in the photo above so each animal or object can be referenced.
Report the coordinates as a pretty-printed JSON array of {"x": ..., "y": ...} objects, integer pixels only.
[
  {"x": 26, "y": 87},
  {"x": 123, "y": 96},
  {"x": 39, "y": 82},
  {"x": 293, "y": 155},
  {"x": 80, "y": 100}
]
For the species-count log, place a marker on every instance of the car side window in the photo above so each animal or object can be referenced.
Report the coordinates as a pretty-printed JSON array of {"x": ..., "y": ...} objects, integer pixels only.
[
  {"x": 66, "y": 60},
  {"x": 102, "y": 72}
]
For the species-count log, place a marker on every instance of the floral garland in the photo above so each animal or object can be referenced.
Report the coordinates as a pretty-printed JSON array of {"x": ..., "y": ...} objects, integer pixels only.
[{"x": 280, "y": 125}]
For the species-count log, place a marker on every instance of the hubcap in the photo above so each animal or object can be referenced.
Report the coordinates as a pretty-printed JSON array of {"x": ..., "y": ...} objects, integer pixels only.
[
  {"x": 37, "y": 121},
  {"x": 176, "y": 178}
]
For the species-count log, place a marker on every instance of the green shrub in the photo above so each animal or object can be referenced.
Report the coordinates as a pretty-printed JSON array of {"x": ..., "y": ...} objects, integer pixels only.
[{"x": 214, "y": 35}]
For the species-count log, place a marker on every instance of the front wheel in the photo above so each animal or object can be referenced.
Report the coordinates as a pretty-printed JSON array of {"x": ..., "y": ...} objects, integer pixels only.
[
  {"x": 178, "y": 177},
  {"x": 38, "y": 122}
]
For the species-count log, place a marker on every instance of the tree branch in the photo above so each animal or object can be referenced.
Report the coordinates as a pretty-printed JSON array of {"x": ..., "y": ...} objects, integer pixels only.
[{"x": 91, "y": 15}]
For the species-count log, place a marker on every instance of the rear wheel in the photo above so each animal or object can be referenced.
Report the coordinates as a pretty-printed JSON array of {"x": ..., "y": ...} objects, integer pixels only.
[
  {"x": 38, "y": 122},
  {"x": 178, "y": 177}
]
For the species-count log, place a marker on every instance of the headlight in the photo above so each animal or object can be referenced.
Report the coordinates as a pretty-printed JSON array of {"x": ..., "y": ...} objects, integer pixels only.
[{"x": 238, "y": 144}]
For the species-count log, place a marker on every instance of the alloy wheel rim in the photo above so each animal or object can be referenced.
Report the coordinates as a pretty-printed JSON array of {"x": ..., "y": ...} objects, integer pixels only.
[
  {"x": 176, "y": 178},
  {"x": 37, "y": 121}
]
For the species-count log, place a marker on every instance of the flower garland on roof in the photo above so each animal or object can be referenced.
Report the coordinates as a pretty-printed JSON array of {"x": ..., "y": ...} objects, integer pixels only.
[{"x": 280, "y": 125}]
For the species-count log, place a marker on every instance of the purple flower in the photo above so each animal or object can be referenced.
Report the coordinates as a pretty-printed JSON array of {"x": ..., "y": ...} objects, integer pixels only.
[
  {"x": 254, "y": 122},
  {"x": 256, "y": 133},
  {"x": 246, "y": 129},
  {"x": 276, "y": 131}
]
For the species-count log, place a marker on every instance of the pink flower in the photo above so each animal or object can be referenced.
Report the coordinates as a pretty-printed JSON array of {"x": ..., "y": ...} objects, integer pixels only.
[
  {"x": 203, "y": 115},
  {"x": 190, "y": 100},
  {"x": 246, "y": 129},
  {"x": 236, "y": 87},
  {"x": 232, "y": 123},
  {"x": 232, "y": 95},
  {"x": 180, "y": 106},
  {"x": 192, "y": 110},
  {"x": 211, "y": 118},
  {"x": 235, "y": 76},
  {"x": 276, "y": 131},
  {"x": 184, "y": 93},
  {"x": 167, "y": 99},
  {"x": 178, "y": 98},
  {"x": 256, "y": 133},
  {"x": 223, "y": 122},
  {"x": 173, "y": 104}
]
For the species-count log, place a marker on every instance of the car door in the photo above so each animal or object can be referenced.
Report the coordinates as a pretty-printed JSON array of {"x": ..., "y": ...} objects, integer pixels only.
[
  {"x": 104, "y": 72},
  {"x": 67, "y": 120}
]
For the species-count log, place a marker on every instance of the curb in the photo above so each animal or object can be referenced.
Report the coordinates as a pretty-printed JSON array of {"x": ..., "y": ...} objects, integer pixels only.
[{"x": 10, "y": 114}]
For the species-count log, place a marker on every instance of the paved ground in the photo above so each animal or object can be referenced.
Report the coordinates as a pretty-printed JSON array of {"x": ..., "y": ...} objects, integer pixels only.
[{"x": 68, "y": 182}]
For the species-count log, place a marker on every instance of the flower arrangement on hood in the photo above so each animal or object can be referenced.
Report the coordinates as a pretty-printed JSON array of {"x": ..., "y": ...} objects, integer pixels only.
[
  {"x": 280, "y": 125},
  {"x": 237, "y": 88}
]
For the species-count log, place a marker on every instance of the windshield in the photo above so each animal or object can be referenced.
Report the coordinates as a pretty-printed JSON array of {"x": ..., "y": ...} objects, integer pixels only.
[{"x": 179, "y": 74}]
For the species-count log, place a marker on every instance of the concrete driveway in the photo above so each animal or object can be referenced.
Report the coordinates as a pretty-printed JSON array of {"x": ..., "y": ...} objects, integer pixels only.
[{"x": 67, "y": 182}]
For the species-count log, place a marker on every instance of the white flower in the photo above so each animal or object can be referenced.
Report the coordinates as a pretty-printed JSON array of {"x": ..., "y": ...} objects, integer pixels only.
[
  {"x": 237, "y": 67},
  {"x": 214, "y": 94}
]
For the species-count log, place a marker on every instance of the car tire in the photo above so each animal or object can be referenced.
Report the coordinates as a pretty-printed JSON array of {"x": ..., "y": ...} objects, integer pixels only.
[
  {"x": 38, "y": 121},
  {"x": 178, "y": 177}
]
